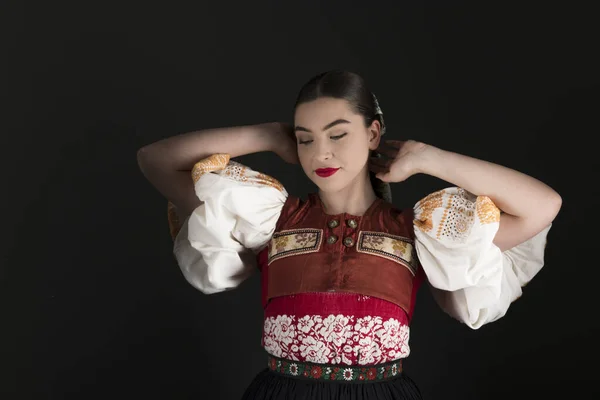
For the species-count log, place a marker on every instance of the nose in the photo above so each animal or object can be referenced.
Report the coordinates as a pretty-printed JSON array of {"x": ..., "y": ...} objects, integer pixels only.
[{"x": 323, "y": 151}]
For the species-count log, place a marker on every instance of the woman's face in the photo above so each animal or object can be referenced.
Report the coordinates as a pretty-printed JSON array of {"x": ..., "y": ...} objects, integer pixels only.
[{"x": 333, "y": 142}]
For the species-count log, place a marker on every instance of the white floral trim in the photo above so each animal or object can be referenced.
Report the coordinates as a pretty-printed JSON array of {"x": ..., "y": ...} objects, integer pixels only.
[{"x": 336, "y": 339}]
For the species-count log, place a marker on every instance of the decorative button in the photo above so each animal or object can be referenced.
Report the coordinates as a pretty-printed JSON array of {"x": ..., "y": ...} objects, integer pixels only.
[
  {"x": 352, "y": 223},
  {"x": 348, "y": 242},
  {"x": 333, "y": 223},
  {"x": 332, "y": 239}
]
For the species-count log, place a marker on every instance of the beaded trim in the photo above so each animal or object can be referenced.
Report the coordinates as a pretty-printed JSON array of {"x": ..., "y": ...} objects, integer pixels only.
[{"x": 327, "y": 372}]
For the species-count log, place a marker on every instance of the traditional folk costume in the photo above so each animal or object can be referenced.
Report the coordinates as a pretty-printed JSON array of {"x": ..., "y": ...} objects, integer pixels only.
[{"x": 339, "y": 291}]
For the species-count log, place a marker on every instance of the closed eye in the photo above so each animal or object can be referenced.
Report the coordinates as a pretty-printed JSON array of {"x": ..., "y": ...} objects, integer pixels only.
[{"x": 338, "y": 137}]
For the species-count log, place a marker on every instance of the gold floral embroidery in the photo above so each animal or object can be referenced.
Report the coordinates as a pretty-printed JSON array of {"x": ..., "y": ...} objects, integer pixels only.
[
  {"x": 241, "y": 173},
  {"x": 391, "y": 247},
  {"x": 173, "y": 218},
  {"x": 444, "y": 218},
  {"x": 222, "y": 165},
  {"x": 426, "y": 206},
  {"x": 236, "y": 171},
  {"x": 458, "y": 217},
  {"x": 269, "y": 181},
  {"x": 487, "y": 211},
  {"x": 295, "y": 241},
  {"x": 280, "y": 242},
  {"x": 213, "y": 163},
  {"x": 458, "y": 208}
]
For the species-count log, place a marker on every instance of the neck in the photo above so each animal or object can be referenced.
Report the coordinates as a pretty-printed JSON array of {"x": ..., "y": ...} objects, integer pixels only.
[{"x": 354, "y": 199}]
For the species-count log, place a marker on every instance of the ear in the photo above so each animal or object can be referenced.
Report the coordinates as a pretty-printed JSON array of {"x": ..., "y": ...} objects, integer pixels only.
[{"x": 374, "y": 135}]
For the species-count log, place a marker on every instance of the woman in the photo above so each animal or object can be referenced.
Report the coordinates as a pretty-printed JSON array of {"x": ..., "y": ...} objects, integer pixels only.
[{"x": 340, "y": 270}]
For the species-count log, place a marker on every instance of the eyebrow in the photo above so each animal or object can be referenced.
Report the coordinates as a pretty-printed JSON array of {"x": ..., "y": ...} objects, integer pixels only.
[{"x": 328, "y": 126}]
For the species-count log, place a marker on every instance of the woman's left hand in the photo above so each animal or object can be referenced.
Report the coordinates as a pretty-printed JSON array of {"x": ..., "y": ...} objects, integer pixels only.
[{"x": 399, "y": 161}]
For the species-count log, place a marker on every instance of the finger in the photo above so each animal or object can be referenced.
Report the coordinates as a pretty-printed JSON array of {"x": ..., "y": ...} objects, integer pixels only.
[{"x": 383, "y": 176}]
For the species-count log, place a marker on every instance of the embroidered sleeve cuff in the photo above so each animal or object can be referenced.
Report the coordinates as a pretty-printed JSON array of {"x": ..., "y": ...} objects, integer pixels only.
[{"x": 217, "y": 244}]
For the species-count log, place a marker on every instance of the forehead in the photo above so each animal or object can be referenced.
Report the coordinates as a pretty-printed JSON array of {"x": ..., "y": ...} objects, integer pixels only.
[{"x": 320, "y": 112}]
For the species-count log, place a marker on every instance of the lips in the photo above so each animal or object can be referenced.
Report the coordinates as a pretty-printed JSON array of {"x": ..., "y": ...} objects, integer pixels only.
[{"x": 325, "y": 172}]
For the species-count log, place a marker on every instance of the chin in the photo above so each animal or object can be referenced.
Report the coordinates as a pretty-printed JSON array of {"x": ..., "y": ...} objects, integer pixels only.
[{"x": 330, "y": 187}]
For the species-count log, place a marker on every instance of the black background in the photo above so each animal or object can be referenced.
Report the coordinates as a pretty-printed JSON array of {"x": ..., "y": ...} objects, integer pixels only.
[{"x": 92, "y": 304}]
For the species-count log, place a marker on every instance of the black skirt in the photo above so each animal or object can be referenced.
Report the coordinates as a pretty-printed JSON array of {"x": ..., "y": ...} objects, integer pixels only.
[{"x": 273, "y": 384}]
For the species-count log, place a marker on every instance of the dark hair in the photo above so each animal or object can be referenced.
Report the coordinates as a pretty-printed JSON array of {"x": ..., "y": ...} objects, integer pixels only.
[{"x": 351, "y": 87}]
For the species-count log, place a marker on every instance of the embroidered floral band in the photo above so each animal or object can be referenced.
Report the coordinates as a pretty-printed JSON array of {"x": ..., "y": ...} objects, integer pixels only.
[
  {"x": 453, "y": 212},
  {"x": 222, "y": 165},
  {"x": 296, "y": 241},
  {"x": 391, "y": 247},
  {"x": 215, "y": 162},
  {"x": 325, "y": 372}
]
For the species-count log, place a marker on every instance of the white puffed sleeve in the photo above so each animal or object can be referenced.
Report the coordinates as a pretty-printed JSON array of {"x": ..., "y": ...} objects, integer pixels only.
[
  {"x": 471, "y": 278},
  {"x": 216, "y": 245}
]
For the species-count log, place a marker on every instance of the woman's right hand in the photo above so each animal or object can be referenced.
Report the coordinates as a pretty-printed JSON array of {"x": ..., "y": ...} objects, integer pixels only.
[{"x": 284, "y": 143}]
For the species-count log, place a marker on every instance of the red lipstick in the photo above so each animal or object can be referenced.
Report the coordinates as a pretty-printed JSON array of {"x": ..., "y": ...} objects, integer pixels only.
[{"x": 325, "y": 172}]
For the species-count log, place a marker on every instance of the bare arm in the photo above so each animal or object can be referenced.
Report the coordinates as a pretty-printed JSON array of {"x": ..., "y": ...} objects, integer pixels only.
[
  {"x": 167, "y": 164},
  {"x": 528, "y": 205}
]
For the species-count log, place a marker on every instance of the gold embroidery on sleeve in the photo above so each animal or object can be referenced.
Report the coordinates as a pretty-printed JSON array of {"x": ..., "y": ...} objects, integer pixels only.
[
  {"x": 444, "y": 218},
  {"x": 222, "y": 165},
  {"x": 427, "y": 205},
  {"x": 236, "y": 171},
  {"x": 241, "y": 173},
  {"x": 267, "y": 180},
  {"x": 487, "y": 211},
  {"x": 459, "y": 217},
  {"x": 459, "y": 212},
  {"x": 213, "y": 163}
]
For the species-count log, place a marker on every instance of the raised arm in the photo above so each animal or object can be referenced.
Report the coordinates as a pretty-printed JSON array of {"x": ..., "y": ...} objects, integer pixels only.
[
  {"x": 481, "y": 241},
  {"x": 528, "y": 205},
  {"x": 168, "y": 162}
]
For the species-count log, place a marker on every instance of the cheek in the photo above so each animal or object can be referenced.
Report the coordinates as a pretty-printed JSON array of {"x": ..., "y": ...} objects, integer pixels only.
[
  {"x": 302, "y": 152},
  {"x": 304, "y": 157},
  {"x": 356, "y": 151}
]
